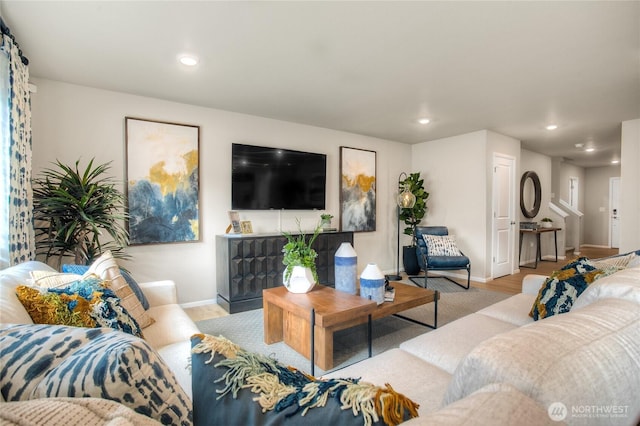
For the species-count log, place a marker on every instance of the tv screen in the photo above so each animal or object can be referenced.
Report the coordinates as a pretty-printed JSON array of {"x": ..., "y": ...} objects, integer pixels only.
[{"x": 265, "y": 178}]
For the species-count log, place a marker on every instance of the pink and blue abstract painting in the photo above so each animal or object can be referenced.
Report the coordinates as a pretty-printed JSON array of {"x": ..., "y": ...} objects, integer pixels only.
[{"x": 162, "y": 181}]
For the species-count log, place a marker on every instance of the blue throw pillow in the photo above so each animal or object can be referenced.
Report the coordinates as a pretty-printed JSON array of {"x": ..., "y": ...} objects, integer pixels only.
[
  {"x": 234, "y": 386},
  {"x": 559, "y": 292},
  {"x": 81, "y": 269},
  {"x": 51, "y": 361}
]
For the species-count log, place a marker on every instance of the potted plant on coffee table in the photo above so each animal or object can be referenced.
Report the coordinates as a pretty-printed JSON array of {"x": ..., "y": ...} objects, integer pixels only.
[
  {"x": 412, "y": 218},
  {"x": 78, "y": 213},
  {"x": 300, "y": 273}
]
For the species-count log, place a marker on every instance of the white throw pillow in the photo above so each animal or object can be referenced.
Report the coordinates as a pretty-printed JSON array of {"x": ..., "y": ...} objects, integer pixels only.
[
  {"x": 53, "y": 279},
  {"x": 441, "y": 245},
  {"x": 106, "y": 268}
]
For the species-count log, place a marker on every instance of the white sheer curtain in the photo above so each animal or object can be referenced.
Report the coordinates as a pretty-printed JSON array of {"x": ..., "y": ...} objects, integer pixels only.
[{"x": 16, "y": 226}]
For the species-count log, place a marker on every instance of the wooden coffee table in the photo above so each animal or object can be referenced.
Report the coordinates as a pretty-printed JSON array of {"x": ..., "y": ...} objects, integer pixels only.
[{"x": 290, "y": 317}]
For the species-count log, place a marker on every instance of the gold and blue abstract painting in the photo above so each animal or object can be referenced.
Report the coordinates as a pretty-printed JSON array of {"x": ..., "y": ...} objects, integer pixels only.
[
  {"x": 162, "y": 181},
  {"x": 357, "y": 190}
]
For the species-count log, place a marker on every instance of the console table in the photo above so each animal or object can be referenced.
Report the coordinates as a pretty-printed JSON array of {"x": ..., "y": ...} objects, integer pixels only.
[
  {"x": 537, "y": 233},
  {"x": 247, "y": 264}
]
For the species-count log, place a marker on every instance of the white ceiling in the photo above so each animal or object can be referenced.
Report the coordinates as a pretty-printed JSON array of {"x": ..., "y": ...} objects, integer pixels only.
[{"x": 371, "y": 68}]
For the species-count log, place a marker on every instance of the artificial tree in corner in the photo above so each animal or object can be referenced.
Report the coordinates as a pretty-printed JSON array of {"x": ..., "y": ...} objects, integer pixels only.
[
  {"x": 78, "y": 213},
  {"x": 412, "y": 218}
]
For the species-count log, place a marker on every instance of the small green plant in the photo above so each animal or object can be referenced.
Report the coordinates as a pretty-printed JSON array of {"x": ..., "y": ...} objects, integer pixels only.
[
  {"x": 546, "y": 219},
  {"x": 326, "y": 217},
  {"x": 298, "y": 252}
]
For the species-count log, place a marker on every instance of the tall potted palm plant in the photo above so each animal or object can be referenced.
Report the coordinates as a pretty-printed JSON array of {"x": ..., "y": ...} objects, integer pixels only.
[
  {"x": 412, "y": 218},
  {"x": 78, "y": 213}
]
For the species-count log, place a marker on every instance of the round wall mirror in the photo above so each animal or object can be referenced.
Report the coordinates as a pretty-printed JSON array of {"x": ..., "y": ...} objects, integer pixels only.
[{"x": 530, "y": 194}]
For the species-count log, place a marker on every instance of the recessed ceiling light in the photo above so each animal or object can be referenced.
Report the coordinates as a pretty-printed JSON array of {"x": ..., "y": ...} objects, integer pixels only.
[
  {"x": 579, "y": 145},
  {"x": 424, "y": 121},
  {"x": 615, "y": 161},
  {"x": 188, "y": 60},
  {"x": 551, "y": 127},
  {"x": 590, "y": 149}
]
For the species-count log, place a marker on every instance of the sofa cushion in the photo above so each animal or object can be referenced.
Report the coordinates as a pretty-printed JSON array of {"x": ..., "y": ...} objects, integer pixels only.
[
  {"x": 172, "y": 325},
  {"x": 446, "y": 347},
  {"x": 84, "y": 303},
  {"x": 82, "y": 269},
  {"x": 494, "y": 404},
  {"x": 419, "y": 380},
  {"x": 624, "y": 284},
  {"x": 588, "y": 357},
  {"x": 235, "y": 386},
  {"x": 38, "y": 361},
  {"x": 106, "y": 268},
  {"x": 71, "y": 412},
  {"x": 562, "y": 288},
  {"x": 514, "y": 310}
]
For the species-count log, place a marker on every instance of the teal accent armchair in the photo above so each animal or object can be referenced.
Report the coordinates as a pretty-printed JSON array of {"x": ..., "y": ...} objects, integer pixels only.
[{"x": 430, "y": 263}]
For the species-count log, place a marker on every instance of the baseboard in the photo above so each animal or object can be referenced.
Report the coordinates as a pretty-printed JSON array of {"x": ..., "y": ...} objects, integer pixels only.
[
  {"x": 459, "y": 276},
  {"x": 199, "y": 303},
  {"x": 595, "y": 246}
]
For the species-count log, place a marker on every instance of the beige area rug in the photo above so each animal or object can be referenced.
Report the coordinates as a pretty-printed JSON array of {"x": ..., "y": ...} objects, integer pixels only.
[{"x": 246, "y": 328}]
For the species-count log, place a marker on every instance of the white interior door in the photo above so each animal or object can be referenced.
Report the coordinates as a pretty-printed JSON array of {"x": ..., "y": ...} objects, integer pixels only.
[
  {"x": 503, "y": 215},
  {"x": 614, "y": 212}
]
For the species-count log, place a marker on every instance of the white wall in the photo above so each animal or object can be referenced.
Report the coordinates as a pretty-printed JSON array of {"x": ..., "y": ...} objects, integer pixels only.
[
  {"x": 456, "y": 182},
  {"x": 542, "y": 165},
  {"x": 629, "y": 186},
  {"x": 71, "y": 122},
  {"x": 596, "y": 205}
]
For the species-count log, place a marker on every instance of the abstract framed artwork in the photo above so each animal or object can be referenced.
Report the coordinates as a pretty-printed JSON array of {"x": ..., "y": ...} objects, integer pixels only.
[
  {"x": 163, "y": 194},
  {"x": 357, "y": 190}
]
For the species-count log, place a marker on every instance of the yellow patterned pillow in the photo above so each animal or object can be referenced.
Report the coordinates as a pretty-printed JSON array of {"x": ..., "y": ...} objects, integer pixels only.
[
  {"x": 52, "y": 308},
  {"x": 84, "y": 303}
]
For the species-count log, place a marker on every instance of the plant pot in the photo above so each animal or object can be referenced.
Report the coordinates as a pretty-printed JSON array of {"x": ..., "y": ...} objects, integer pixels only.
[
  {"x": 546, "y": 224},
  {"x": 410, "y": 260},
  {"x": 300, "y": 281}
]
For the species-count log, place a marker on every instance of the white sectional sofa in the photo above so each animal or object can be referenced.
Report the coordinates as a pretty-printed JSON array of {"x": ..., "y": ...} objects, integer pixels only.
[
  {"x": 497, "y": 366},
  {"x": 169, "y": 335}
]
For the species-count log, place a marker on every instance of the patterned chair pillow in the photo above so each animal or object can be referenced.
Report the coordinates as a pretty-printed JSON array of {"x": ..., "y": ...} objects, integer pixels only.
[
  {"x": 441, "y": 245},
  {"x": 84, "y": 303},
  {"x": 45, "y": 361}
]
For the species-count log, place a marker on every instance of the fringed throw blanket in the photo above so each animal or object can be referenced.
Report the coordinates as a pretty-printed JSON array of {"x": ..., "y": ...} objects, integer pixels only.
[{"x": 226, "y": 378}]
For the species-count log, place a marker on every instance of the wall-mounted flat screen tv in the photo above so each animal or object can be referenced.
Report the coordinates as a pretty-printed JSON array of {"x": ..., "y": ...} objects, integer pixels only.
[{"x": 265, "y": 178}]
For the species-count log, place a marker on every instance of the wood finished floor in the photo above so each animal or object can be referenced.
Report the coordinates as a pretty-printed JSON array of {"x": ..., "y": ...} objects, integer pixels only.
[{"x": 511, "y": 284}]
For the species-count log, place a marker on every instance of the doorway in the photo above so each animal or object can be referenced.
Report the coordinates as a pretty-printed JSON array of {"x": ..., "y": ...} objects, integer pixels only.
[
  {"x": 503, "y": 227},
  {"x": 614, "y": 212}
]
